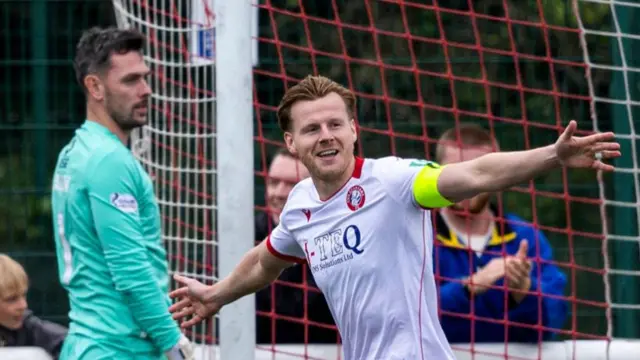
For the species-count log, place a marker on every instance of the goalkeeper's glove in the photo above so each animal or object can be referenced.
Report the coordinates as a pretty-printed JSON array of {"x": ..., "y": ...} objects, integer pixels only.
[{"x": 183, "y": 350}]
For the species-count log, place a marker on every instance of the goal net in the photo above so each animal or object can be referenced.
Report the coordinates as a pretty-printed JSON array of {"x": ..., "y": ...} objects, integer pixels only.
[
  {"x": 613, "y": 75},
  {"x": 177, "y": 147},
  {"x": 521, "y": 69}
]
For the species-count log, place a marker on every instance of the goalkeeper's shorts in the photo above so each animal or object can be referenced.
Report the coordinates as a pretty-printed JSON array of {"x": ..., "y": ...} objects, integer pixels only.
[{"x": 79, "y": 347}]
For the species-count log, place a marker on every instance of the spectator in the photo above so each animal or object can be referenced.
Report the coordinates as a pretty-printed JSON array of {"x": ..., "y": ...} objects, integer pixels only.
[
  {"x": 468, "y": 258},
  {"x": 18, "y": 326},
  {"x": 284, "y": 172}
]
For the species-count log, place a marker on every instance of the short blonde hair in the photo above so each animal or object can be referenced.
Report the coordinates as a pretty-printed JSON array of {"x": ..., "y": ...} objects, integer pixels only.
[
  {"x": 312, "y": 88},
  {"x": 470, "y": 135},
  {"x": 13, "y": 278}
]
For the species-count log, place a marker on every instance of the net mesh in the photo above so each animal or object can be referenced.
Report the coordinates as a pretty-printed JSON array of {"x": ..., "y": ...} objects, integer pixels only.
[
  {"x": 519, "y": 69},
  {"x": 419, "y": 68},
  {"x": 617, "y": 110},
  {"x": 177, "y": 147}
]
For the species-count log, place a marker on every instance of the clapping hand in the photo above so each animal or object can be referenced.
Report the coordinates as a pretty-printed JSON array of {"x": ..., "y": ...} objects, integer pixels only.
[
  {"x": 515, "y": 269},
  {"x": 518, "y": 272}
]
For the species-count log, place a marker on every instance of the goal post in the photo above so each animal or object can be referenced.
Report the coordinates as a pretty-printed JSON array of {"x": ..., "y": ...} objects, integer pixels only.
[{"x": 234, "y": 165}]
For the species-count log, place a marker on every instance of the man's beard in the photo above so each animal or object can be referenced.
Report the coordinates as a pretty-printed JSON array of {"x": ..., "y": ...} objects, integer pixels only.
[
  {"x": 122, "y": 118},
  {"x": 125, "y": 123},
  {"x": 323, "y": 175}
]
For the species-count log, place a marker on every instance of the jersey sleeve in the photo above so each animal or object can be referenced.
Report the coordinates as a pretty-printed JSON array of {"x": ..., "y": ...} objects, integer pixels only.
[
  {"x": 412, "y": 180},
  {"x": 115, "y": 192},
  {"x": 283, "y": 245}
]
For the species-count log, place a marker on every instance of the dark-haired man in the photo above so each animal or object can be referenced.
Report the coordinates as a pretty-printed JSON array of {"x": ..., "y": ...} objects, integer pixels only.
[{"x": 111, "y": 259}]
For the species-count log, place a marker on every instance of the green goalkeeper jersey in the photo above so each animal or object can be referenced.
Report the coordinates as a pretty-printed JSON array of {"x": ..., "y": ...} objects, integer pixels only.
[{"x": 111, "y": 259}]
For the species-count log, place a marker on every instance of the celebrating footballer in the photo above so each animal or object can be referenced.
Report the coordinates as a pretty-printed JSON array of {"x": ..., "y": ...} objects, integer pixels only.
[{"x": 363, "y": 226}]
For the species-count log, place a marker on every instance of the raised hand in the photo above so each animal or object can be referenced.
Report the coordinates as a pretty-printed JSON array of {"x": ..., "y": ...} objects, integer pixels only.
[
  {"x": 518, "y": 268},
  {"x": 515, "y": 269},
  {"x": 194, "y": 301},
  {"x": 588, "y": 151}
]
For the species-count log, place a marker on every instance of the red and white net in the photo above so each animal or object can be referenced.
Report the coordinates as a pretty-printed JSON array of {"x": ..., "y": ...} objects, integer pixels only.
[
  {"x": 418, "y": 68},
  {"x": 421, "y": 67},
  {"x": 177, "y": 147}
]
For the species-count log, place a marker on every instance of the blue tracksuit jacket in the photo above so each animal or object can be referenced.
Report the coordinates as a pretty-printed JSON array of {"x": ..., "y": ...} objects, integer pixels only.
[{"x": 453, "y": 260}]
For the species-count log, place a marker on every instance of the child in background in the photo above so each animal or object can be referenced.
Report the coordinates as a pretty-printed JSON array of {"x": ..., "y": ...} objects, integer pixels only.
[{"x": 18, "y": 326}]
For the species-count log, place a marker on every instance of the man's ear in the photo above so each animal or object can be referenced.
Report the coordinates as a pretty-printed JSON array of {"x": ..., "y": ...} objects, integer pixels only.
[
  {"x": 352, "y": 124},
  {"x": 288, "y": 140},
  {"x": 94, "y": 86}
]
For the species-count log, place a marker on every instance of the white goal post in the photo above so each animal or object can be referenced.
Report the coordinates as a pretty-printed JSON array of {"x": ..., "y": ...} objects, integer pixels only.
[{"x": 235, "y": 181}]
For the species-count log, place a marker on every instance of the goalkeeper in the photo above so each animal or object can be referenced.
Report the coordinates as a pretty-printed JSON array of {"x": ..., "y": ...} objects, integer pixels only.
[{"x": 111, "y": 259}]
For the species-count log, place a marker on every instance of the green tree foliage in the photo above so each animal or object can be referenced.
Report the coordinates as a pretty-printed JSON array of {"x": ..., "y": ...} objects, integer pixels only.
[{"x": 26, "y": 206}]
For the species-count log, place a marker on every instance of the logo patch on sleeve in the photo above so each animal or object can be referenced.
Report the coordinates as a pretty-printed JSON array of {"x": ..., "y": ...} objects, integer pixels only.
[
  {"x": 422, "y": 163},
  {"x": 124, "y": 202}
]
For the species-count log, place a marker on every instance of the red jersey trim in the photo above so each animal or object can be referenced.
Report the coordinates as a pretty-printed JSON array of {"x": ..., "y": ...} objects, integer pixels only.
[
  {"x": 282, "y": 256},
  {"x": 357, "y": 172}
]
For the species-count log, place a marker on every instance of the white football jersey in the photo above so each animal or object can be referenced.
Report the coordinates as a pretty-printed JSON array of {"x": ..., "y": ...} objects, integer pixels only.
[{"x": 369, "y": 247}]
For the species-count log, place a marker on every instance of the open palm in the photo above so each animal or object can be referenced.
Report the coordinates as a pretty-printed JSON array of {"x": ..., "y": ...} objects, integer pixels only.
[
  {"x": 193, "y": 302},
  {"x": 588, "y": 151}
]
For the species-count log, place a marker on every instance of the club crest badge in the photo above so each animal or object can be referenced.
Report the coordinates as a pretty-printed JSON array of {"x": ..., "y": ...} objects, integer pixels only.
[{"x": 355, "y": 197}]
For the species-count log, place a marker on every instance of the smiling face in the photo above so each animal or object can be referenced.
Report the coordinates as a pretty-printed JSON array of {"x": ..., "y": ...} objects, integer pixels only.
[
  {"x": 322, "y": 135},
  {"x": 284, "y": 173}
]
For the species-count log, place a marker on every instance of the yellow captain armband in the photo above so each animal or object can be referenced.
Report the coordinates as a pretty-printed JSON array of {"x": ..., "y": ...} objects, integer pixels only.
[{"x": 425, "y": 187}]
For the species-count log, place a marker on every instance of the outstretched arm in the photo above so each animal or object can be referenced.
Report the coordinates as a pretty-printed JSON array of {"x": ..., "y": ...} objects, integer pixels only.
[
  {"x": 257, "y": 269},
  {"x": 497, "y": 171}
]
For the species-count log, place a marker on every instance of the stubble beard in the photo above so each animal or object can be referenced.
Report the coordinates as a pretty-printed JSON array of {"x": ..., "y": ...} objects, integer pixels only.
[
  {"x": 327, "y": 176},
  {"x": 124, "y": 119}
]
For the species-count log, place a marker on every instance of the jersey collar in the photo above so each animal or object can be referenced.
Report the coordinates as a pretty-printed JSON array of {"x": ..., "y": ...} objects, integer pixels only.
[
  {"x": 502, "y": 233},
  {"x": 94, "y": 127},
  {"x": 357, "y": 169}
]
